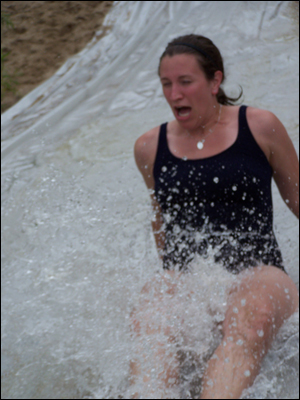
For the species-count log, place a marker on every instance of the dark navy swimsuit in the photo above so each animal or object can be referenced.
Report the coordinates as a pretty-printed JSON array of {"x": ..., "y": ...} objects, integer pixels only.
[{"x": 223, "y": 202}]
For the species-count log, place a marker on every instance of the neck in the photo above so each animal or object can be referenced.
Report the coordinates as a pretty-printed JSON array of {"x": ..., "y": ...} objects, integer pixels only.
[
  {"x": 206, "y": 122},
  {"x": 213, "y": 120}
]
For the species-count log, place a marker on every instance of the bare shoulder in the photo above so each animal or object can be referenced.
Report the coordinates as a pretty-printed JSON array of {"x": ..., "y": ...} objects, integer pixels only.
[
  {"x": 146, "y": 146},
  {"x": 267, "y": 129},
  {"x": 263, "y": 121},
  {"x": 145, "y": 149}
]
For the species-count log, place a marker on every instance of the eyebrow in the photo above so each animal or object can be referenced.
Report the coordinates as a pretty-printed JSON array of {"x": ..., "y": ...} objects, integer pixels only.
[{"x": 181, "y": 76}]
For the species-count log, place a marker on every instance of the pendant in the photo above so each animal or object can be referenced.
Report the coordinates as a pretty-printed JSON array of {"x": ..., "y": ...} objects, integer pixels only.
[{"x": 200, "y": 145}]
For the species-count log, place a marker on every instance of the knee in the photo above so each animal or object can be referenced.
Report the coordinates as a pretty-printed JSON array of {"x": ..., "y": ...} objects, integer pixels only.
[
  {"x": 253, "y": 326},
  {"x": 260, "y": 329}
]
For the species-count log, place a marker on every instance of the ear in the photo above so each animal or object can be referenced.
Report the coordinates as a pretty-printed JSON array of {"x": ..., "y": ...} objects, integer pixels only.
[{"x": 217, "y": 82}]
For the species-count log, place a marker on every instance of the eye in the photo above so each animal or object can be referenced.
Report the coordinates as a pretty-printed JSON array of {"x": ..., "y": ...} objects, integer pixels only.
[
  {"x": 186, "y": 82},
  {"x": 166, "y": 84}
]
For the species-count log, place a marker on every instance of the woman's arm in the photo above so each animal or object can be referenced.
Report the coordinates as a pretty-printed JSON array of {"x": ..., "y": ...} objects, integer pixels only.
[
  {"x": 158, "y": 227},
  {"x": 285, "y": 164},
  {"x": 145, "y": 152},
  {"x": 281, "y": 153}
]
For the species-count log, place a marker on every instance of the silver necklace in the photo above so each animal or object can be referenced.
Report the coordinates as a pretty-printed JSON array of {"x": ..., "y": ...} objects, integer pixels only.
[{"x": 200, "y": 144}]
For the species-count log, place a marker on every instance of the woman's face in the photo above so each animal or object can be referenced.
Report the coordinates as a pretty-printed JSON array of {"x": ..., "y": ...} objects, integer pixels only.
[{"x": 190, "y": 95}]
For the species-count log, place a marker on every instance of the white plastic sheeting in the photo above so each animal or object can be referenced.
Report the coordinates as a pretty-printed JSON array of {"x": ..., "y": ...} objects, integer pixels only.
[{"x": 76, "y": 239}]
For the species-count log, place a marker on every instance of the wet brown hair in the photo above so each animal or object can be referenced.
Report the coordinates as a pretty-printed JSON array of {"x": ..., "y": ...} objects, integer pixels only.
[{"x": 209, "y": 60}]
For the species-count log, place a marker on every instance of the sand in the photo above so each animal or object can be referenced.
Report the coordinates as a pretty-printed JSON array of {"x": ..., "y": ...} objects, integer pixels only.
[{"x": 44, "y": 36}]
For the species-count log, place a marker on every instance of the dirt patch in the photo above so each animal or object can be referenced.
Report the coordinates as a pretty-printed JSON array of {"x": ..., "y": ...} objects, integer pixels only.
[{"x": 44, "y": 36}]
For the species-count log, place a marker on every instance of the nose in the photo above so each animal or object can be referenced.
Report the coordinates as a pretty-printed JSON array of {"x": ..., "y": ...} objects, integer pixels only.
[{"x": 175, "y": 93}]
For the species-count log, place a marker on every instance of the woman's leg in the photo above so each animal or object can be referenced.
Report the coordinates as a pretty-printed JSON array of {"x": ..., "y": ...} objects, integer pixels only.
[
  {"x": 154, "y": 367},
  {"x": 257, "y": 308}
]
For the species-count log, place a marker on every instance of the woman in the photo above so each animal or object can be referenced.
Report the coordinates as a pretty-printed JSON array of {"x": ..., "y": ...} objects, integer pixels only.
[{"x": 209, "y": 172}]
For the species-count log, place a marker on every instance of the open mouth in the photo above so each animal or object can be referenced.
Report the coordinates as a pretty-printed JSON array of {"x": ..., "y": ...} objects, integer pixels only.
[{"x": 183, "y": 111}]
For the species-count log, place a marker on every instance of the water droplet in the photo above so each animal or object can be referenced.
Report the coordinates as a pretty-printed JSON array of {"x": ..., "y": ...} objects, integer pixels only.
[
  {"x": 287, "y": 201},
  {"x": 243, "y": 302},
  {"x": 260, "y": 333},
  {"x": 164, "y": 169},
  {"x": 254, "y": 179},
  {"x": 234, "y": 188},
  {"x": 216, "y": 179},
  {"x": 286, "y": 290},
  {"x": 235, "y": 310},
  {"x": 240, "y": 342},
  {"x": 247, "y": 373},
  {"x": 212, "y": 204}
]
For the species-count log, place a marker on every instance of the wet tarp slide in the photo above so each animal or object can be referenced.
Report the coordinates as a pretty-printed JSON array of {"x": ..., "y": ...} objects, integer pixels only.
[{"x": 77, "y": 245}]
